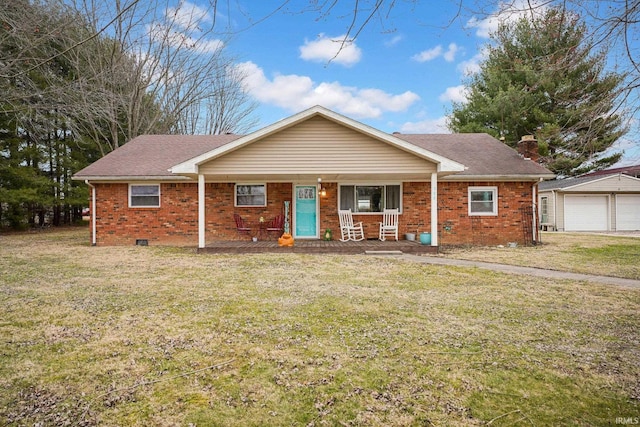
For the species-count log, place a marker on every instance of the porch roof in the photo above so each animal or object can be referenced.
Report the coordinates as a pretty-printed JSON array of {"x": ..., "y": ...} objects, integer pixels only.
[{"x": 443, "y": 164}]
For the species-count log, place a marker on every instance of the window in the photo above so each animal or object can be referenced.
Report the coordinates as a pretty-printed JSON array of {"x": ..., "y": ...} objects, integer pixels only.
[
  {"x": 544, "y": 210},
  {"x": 251, "y": 195},
  {"x": 144, "y": 196},
  {"x": 483, "y": 201},
  {"x": 369, "y": 198}
]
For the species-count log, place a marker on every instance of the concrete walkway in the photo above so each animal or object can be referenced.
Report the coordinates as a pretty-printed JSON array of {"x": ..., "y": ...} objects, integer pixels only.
[{"x": 526, "y": 271}]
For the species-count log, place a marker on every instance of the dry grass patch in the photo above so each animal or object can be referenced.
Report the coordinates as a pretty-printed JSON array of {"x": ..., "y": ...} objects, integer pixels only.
[
  {"x": 615, "y": 256},
  {"x": 162, "y": 336}
]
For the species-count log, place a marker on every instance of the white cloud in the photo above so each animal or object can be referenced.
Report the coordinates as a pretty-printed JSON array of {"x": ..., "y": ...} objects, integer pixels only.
[
  {"x": 187, "y": 15},
  {"x": 168, "y": 37},
  {"x": 182, "y": 29},
  {"x": 428, "y": 55},
  {"x": 438, "y": 125},
  {"x": 454, "y": 94},
  {"x": 334, "y": 49},
  {"x": 208, "y": 46},
  {"x": 294, "y": 93},
  {"x": 506, "y": 12},
  {"x": 472, "y": 66},
  {"x": 431, "y": 54},
  {"x": 394, "y": 41},
  {"x": 450, "y": 55}
]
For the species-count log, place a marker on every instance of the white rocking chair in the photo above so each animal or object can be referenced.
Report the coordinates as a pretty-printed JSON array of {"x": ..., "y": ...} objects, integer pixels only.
[
  {"x": 348, "y": 229},
  {"x": 389, "y": 224}
]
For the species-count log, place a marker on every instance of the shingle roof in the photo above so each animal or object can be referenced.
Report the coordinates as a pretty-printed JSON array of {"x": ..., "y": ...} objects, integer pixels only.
[
  {"x": 632, "y": 170},
  {"x": 560, "y": 184},
  {"x": 557, "y": 184},
  {"x": 150, "y": 156},
  {"x": 482, "y": 154},
  {"x": 153, "y": 155}
]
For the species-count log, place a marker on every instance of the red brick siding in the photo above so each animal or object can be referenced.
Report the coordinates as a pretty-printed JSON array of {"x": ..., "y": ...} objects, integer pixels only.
[
  {"x": 220, "y": 207},
  {"x": 176, "y": 221},
  {"x": 456, "y": 227},
  {"x": 329, "y": 210},
  {"x": 416, "y": 208}
]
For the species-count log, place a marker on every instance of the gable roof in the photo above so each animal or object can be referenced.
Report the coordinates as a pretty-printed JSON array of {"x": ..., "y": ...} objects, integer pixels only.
[
  {"x": 176, "y": 157},
  {"x": 444, "y": 164},
  {"x": 574, "y": 183},
  {"x": 633, "y": 170}
]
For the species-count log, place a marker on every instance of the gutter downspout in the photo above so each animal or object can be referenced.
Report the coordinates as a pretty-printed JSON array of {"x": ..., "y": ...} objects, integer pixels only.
[
  {"x": 434, "y": 209},
  {"x": 535, "y": 211},
  {"x": 201, "y": 211},
  {"x": 555, "y": 210},
  {"x": 93, "y": 212}
]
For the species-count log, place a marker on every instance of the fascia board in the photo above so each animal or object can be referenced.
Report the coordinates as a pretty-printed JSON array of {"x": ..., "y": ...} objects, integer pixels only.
[
  {"x": 502, "y": 178},
  {"x": 444, "y": 164},
  {"x": 129, "y": 178},
  {"x": 191, "y": 165},
  {"x": 604, "y": 178}
]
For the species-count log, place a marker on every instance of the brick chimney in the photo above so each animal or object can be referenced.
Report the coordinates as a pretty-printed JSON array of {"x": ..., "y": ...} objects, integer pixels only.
[{"x": 528, "y": 148}]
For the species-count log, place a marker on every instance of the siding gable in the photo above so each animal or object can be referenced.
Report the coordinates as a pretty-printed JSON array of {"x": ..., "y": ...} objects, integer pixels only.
[
  {"x": 318, "y": 146},
  {"x": 612, "y": 183}
]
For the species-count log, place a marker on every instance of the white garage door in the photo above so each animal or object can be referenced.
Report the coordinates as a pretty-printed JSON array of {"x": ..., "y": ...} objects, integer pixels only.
[
  {"x": 627, "y": 212},
  {"x": 585, "y": 213}
]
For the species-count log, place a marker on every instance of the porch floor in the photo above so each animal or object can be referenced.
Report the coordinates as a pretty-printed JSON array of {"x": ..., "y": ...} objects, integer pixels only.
[{"x": 318, "y": 247}]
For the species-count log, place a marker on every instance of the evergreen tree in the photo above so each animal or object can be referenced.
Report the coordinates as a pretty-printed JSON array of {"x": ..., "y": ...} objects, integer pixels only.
[{"x": 542, "y": 77}]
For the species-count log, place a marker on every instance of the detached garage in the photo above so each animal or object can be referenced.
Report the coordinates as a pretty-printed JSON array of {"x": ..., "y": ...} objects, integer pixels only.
[
  {"x": 590, "y": 203},
  {"x": 586, "y": 213},
  {"x": 628, "y": 212}
]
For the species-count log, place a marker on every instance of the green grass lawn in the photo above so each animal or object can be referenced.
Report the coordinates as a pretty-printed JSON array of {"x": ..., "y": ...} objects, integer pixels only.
[
  {"x": 616, "y": 256},
  {"x": 162, "y": 336}
]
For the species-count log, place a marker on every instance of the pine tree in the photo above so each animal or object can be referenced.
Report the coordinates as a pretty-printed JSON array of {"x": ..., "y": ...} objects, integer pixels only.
[{"x": 542, "y": 77}]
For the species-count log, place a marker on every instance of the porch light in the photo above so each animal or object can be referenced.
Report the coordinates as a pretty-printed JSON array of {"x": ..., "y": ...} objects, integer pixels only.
[{"x": 321, "y": 191}]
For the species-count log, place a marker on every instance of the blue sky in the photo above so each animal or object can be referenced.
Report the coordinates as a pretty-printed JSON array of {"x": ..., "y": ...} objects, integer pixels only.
[{"x": 400, "y": 74}]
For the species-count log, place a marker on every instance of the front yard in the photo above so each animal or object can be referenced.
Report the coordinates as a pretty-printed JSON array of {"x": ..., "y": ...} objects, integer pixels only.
[
  {"x": 162, "y": 336},
  {"x": 617, "y": 256}
]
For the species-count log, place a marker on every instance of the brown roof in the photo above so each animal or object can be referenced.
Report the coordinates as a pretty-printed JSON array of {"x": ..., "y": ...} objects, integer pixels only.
[
  {"x": 150, "y": 156},
  {"x": 632, "y": 170},
  {"x": 482, "y": 154}
]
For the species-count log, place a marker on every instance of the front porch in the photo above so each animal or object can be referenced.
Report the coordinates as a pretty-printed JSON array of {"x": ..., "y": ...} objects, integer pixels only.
[{"x": 319, "y": 247}]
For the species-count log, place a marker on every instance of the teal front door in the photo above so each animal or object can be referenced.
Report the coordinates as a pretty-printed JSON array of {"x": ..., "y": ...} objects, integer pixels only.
[{"x": 305, "y": 212}]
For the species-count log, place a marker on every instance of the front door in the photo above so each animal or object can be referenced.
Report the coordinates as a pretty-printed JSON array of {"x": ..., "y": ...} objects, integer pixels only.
[{"x": 305, "y": 212}]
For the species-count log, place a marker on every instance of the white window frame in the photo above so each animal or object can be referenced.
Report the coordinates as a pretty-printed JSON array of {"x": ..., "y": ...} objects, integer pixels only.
[
  {"x": 251, "y": 184},
  {"x": 494, "y": 200},
  {"x": 370, "y": 184},
  {"x": 131, "y": 205},
  {"x": 544, "y": 209}
]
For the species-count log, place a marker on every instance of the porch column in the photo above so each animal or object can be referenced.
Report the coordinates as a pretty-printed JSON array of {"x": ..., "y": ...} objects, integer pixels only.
[
  {"x": 201, "y": 217},
  {"x": 434, "y": 209}
]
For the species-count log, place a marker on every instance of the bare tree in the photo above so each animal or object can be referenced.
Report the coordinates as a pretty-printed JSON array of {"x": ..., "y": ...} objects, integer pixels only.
[
  {"x": 160, "y": 39},
  {"x": 224, "y": 108},
  {"x": 136, "y": 67},
  {"x": 154, "y": 72}
]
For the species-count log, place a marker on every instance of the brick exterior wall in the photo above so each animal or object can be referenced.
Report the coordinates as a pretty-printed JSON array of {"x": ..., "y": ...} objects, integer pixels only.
[
  {"x": 456, "y": 227},
  {"x": 175, "y": 222}
]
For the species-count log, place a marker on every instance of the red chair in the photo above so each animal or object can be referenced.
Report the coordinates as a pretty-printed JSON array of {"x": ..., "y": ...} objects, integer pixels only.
[
  {"x": 276, "y": 225},
  {"x": 241, "y": 226}
]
